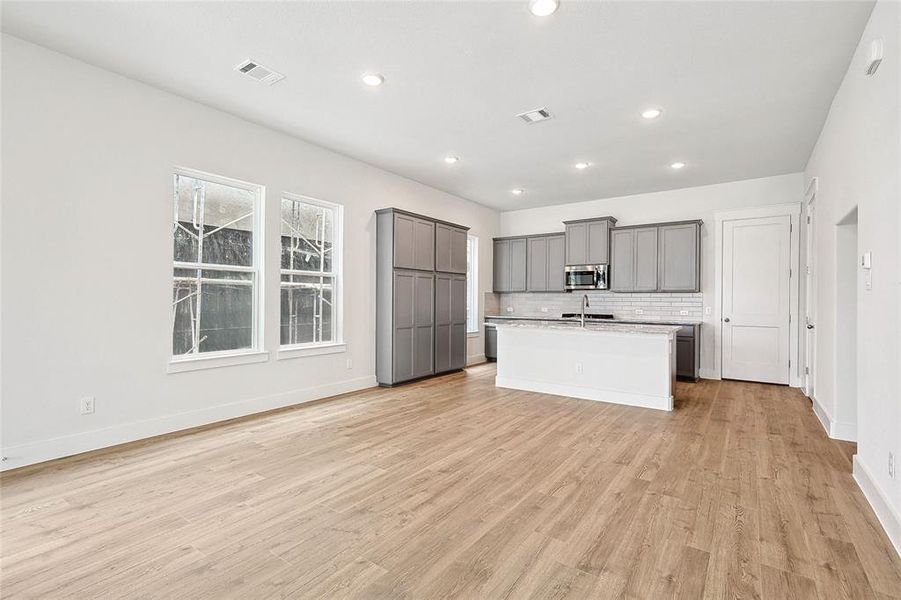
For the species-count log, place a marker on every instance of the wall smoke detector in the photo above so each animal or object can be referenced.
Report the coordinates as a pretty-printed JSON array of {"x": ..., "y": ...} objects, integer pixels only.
[
  {"x": 534, "y": 116},
  {"x": 257, "y": 71}
]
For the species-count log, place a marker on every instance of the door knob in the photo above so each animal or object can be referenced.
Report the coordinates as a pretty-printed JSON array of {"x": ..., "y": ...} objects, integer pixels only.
[
  {"x": 726, "y": 320},
  {"x": 810, "y": 326}
]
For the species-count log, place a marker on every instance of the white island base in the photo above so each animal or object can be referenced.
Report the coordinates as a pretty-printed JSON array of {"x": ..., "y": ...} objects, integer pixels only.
[{"x": 618, "y": 363}]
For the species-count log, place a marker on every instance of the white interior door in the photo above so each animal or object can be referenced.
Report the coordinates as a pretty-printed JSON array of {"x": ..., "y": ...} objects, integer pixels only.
[
  {"x": 756, "y": 294},
  {"x": 810, "y": 304}
]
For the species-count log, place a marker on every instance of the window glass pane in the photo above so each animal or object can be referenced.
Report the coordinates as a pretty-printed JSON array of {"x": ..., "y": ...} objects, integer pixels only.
[
  {"x": 472, "y": 304},
  {"x": 212, "y": 311},
  {"x": 224, "y": 215},
  {"x": 306, "y": 309},
  {"x": 308, "y": 233}
]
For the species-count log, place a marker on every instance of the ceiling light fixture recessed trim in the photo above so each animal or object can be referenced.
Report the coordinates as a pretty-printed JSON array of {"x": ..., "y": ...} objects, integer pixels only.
[
  {"x": 543, "y": 8},
  {"x": 677, "y": 165},
  {"x": 651, "y": 113},
  {"x": 451, "y": 159},
  {"x": 582, "y": 165},
  {"x": 516, "y": 191},
  {"x": 373, "y": 79}
]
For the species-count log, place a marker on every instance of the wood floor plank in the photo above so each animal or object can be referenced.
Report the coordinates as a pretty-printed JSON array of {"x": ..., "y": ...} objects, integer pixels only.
[{"x": 452, "y": 488}]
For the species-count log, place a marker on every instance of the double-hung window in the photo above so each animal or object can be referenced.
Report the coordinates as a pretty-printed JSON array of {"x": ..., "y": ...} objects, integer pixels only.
[
  {"x": 310, "y": 272},
  {"x": 472, "y": 284},
  {"x": 216, "y": 274}
]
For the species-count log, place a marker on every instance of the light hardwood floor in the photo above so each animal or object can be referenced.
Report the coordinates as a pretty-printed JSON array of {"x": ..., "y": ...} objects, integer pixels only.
[{"x": 452, "y": 488}]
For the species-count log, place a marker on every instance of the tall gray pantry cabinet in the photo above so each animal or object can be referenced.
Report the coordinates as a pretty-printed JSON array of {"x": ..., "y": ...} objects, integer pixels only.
[{"x": 420, "y": 296}]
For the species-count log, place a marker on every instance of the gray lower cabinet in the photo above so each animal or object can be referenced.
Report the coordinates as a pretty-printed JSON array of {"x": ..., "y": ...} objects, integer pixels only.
[
  {"x": 688, "y": 352},
  {"x": 656, "y": 258},
  {"x": 510, "y": 264},
  {"x": 587, "y": 241},
  {"x": 420, "y": 313},
  {"x": 490, "y": 341},
  {"x": 545, "y": 260},
  {"x": 450, "y": 249},
  {"x": 450, "y": 322}
]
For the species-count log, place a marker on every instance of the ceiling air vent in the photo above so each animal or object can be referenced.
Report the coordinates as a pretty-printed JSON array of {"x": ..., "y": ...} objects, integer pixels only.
[
  {"x": 533, "y": 116},
  {"x": 259, "y": 72}
]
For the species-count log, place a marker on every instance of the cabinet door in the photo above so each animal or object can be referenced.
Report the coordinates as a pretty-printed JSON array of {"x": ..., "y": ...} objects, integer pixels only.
[
  {"x": 443, "y": 324},
  {"x": 423, "y": 324},
  {"x": 458, "y": 320},
  {"x": 404, "y": 301},
  {"x": 443, "y": 249},
  {"x": 646, "y": 259},
  {"x": 501, "y": 266},
  {"x": 403, "y": 242},
  {"x": 556, "y": 260},
  {"x": 537, "y": 264},
  {"x": 685, "y": 357},
  {"x": 622, "y": 260},
  {"x": 518, "y": 263},
  {"x": 424, "y": 245},
  {"x": 577, "y": 244},
  {"x": 597, "y": 242},
  {"x": 678, "y": 258},
  {"x": 458, "y": 250}
]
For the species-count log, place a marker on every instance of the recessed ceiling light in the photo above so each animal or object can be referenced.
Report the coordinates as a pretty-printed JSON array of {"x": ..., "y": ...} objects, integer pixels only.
[
  {"x": 582, "y": 165},
  {"x": 677, "y": 165},
  {"x": 543, "y": 8},
  {"x": 373, "y": 79},
  {"x": 651, "y": 113},
  {"x": 451, "y": 159},
  {"x": 516, "y": 192}
]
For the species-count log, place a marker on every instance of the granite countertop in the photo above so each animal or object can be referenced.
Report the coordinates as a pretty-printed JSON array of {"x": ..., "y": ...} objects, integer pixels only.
[
  {"x": 593, "y": 327},
  {"x": 576, "y": 320}
]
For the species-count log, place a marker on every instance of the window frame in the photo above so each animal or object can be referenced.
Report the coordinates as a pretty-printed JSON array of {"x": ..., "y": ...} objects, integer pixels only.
[
  {"x": 337, "y": 344},
  {"x": 472, "y": 283},
  {"x": 255, "y": 353}
]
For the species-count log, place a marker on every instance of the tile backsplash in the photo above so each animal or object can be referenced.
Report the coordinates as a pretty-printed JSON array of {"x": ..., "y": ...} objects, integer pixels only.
[{"x": 656, "y": 306}]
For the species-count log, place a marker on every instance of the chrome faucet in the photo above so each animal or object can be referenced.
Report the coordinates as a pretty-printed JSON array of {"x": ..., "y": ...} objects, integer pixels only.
[{"x": 584, "y": 306}]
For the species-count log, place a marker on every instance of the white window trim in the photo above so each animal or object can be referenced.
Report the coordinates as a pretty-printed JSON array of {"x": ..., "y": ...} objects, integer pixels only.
[
  {"x": 475, "y": 285},
  {"x": 254, "y": 354},
  {"x": 337, "y": 345}
]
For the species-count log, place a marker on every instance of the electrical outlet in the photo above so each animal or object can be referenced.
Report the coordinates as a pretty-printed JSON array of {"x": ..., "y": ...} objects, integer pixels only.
[
  {"x": 891, "y": 464},
  {"x": 509, "y": 309},
  {"x": 578, "y": 368},
  {"x": 544, "y": 309},
  {"x": 683, "y": 312},
  {"x": 639, "y": 311},
  {"x": 708, "y": 310},
  {"x": 350, "y": 363},
  {"x": 86, "y": 405}
]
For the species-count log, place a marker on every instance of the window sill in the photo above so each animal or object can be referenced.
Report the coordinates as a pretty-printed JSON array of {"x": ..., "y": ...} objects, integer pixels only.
[
  {"x": 196, "y": 363},
  {"x": 311, "y": 350}
]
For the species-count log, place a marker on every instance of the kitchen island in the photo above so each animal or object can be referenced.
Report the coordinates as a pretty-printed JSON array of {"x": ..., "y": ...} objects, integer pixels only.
[{"x": 611, "y": 362}]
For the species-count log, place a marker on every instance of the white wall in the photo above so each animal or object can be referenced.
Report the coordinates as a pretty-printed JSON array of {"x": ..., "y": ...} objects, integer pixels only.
[
  {"x": 856, "y": 163},
  {"x": 86, "y": 251},
  {"x": 674, "y": 205}
]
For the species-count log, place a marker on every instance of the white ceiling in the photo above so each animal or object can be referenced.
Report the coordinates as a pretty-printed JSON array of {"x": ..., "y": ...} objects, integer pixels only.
[{"x": 745, "y": 86}]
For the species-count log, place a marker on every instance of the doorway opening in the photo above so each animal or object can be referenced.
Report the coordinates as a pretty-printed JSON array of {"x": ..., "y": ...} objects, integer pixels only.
[
  {"x": 846, "y": 286},
  {"x": 810, "y": 283}
]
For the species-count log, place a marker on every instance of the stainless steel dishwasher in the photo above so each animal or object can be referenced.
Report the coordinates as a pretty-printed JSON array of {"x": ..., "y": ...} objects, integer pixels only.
[{"x": 490, "y": 341}]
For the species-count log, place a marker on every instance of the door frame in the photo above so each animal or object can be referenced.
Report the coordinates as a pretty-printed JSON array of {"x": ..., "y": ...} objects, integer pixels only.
[
  {"x": 793, "y": 210},
  {"x": 808, "y": 349}
]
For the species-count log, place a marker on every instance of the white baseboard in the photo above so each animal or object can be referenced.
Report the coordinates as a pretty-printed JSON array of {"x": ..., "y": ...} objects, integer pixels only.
[
  {"x": 708, "y": 373},
  {"x": 475, "y": 359},
  {"x": 837, "y": 430},
  {"x": 77, "y": 443},
  {"x": 885, "y": 512},
  {"x": 586, "y": 393}
]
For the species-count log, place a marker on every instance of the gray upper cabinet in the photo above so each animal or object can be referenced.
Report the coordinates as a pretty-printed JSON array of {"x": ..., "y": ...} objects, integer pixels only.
[
  {"x": 545, "y": 261},
  {"x": 622, "y": 260},
  {"x": 656, "y": 258},
  {"x": 510, "y": 265},
  {"x": 414, "y": 243},
  {"x": 646, "y": 259},
  {"x": 587, "y": 241},
  {"x": 450, "y": 249},
  {"x": 419, "y": 330},
  {"x": 678, "y": 263}
]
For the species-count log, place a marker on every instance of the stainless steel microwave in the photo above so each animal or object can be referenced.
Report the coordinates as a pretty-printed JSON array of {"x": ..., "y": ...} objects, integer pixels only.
[{"x": 585, "y": 277}]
